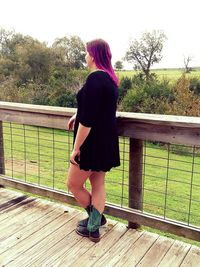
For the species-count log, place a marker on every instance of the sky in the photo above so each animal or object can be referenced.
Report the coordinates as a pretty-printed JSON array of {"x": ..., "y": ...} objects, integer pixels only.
[{"x": 116, "y": 21}]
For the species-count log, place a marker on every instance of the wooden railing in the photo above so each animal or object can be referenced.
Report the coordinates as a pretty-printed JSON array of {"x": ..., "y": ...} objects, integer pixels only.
[{"x": 137, "y": 127}]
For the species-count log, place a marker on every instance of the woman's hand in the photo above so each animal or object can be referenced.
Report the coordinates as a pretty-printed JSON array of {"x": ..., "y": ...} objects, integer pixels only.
[
  {"x": 75, "y": 157},
  {"x": 70, "y": 124}
]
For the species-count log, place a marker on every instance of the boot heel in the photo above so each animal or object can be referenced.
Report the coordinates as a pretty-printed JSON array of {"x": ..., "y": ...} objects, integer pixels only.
[{"x": 94, "y": 239}]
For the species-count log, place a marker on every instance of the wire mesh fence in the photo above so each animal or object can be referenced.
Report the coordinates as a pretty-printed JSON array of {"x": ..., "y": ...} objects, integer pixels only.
[{"x": 171, "y": 173}]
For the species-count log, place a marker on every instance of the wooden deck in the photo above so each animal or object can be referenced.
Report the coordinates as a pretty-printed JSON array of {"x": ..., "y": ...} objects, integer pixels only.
[{"x": 36, "y": 232}]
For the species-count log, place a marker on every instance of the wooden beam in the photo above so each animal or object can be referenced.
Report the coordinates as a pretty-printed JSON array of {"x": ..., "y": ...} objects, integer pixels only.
[
  {"x": 156, "y": 119},
  {"x": 136, "y": 130},
  {"x": 2, "y": 160},
  {"x": 159, "y": 133},
  {"x": 135, "y": 176},
  {"x": 35, "y": 119}
]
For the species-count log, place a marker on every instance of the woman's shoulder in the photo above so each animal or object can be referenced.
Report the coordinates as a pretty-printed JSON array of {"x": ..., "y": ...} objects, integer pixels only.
[
  {"x": 100, "y": 78},
  {"x": 97, "y": 74}
]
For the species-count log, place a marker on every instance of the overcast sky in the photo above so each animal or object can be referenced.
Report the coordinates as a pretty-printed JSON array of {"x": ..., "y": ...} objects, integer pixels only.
[{"x": 113, "y": 20}]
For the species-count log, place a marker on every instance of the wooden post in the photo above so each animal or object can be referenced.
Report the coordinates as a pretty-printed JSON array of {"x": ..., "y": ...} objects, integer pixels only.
[
  {"x": 135, "y": 176},
  {"x": 2, "y": 162}
]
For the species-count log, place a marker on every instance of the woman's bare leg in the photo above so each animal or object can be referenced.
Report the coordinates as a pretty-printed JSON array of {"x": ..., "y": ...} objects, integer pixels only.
[
  {"x": 98, "y": 194},
  {"x": 75, "y": 183}
]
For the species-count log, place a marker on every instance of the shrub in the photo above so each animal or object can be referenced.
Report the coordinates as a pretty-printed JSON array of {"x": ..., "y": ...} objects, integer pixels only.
[
  {"x": 185, "y": 102},
  {"x": 65, "y": 100},
  {"x": 125, "y": 85},
  {"x": 195, "y": 85},
  {"x": 148, "y": 97}
]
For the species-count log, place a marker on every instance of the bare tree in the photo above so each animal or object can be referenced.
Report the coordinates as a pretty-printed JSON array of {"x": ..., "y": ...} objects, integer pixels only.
[{"x": 187, "y": 60}]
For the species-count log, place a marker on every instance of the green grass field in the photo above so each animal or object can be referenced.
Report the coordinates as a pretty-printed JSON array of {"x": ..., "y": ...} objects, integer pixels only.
[
  {"x": 171, "y": 74},
  {"x": 171, "y": 179}
]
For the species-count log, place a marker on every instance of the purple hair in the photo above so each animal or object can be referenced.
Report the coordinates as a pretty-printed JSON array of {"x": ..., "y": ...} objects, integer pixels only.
[{"x": 100, "y": 51}]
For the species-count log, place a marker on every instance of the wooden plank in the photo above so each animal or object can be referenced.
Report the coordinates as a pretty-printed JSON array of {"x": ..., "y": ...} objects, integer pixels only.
[
  {"x": 50, "y": 253},
  {"x": 157, "y": 222},
  {"x": 135, "y": 176},
  {"x": 38, "y": 190},
  {"x": 53, "y": 253},
  {"x": 17, "y": 214},
  {"x": 158, "y": 119},
  {"x": 173, "y": 133},
  {"x": 137, "y": 250},
  {"x": 53, "y": 221},
  {"x": 35, "y": 119},
  {"x": 99, "y": 249},
  {"x": 53, "y": 242},
  {"x": 175, "y": 255},
  {"x": 45, "y": 249},
  {"x": 132, "y": 215},
  {"x": 2, "y": 161},
  {"x": 73, "y": 253},
  {"x": 37, "y": 108},
  {"x": 163, "y": 133},
  {"x": 5, "y": 192},
  {"x": 165, "y": 128},
  {"x": 118, "y": 250},
  {"x": 21, "y": 220},
  {"x": 192, "y": 259},
  {"x": 155, "y": 254},
  {"x": 109, "y": 237},
  {"x": 12, "y": 203},
  {"x": 14, "y": 212},
  {"x": 5, "y": 196},
  {"x": 41, "y": 218}
]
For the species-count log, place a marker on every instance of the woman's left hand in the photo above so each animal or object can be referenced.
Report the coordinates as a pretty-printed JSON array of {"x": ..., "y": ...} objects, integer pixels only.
[{"x": 75, "y": 157}]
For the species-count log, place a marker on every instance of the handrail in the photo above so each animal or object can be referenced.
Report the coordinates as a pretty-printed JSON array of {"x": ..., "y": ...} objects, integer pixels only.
[
  {"x": 162, "y": 128},
  {"x": 157, "y": 119}
]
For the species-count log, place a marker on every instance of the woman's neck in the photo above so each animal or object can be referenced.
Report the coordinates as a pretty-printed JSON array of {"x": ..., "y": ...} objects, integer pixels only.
[{"x": 95, "y": 69}]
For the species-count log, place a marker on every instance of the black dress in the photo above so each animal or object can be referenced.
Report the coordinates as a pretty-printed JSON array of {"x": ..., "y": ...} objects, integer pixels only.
[{"x": 97, "y": 103}]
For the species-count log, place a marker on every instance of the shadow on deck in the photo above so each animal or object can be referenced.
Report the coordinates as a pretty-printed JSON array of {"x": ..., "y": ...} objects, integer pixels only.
[{"x": 36, "y": 232}]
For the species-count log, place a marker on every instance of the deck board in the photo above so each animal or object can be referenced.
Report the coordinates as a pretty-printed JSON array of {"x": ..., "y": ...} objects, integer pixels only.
[
  {"x": 175, "y": 255},
  {"x": 37, "y": 232},
  {"x": 192, "y": 259},
  {"x": 157, "y": 252},
  {"x": 98, "y": 250},
  {"x": 137, "y": 250}
]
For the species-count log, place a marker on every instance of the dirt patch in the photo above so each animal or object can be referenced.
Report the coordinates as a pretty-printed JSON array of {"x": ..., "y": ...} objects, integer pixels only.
[{"x": 21, "y": 166}]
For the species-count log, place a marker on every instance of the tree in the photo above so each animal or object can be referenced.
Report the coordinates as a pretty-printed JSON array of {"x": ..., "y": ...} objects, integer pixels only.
[
  {"x": 187, "y": 60},
  {"x": 5, "y": 37},
  {"x": 118, "y": 65},
  {"x": 27, "y": 59},
  {"x": 71, "y": 51},
  {"x": 146, "y": 51}
]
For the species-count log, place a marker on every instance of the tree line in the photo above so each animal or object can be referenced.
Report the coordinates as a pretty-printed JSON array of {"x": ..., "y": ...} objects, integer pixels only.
[{"x": 32, "y": 72}]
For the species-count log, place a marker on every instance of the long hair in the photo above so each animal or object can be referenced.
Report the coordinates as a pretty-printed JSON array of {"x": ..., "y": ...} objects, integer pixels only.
[{"x": 100, "y": 51}]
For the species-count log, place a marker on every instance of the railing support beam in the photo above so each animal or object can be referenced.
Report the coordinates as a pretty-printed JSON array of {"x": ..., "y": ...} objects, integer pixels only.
[
  {"x": 2, "y": 160},
  {"x": 135, "y": 176}
]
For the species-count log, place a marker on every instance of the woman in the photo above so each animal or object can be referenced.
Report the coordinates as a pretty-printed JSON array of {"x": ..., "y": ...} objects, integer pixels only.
[{"x": 96, "y": 148}]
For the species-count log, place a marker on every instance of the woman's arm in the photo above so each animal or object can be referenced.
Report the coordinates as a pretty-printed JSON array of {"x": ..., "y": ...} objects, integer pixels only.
[
  {"x": 81, "y": 135},
  {"x": 71, "y": 122}
]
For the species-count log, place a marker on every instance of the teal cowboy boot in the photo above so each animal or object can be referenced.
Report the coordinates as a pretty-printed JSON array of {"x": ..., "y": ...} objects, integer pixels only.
[
  {"x": 84, "y": 223},
  {"x": 92, "y": 229}
]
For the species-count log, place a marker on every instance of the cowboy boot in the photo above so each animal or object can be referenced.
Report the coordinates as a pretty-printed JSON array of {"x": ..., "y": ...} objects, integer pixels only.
[
  {"x": 84, "y": 223},
  {"x": 94, "y": 223},
  {"x": 92, "y": 229}
]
